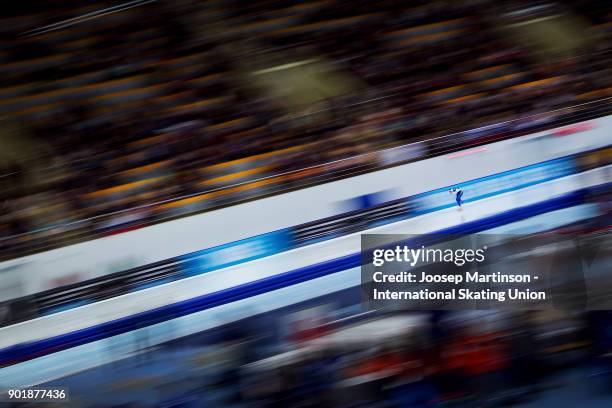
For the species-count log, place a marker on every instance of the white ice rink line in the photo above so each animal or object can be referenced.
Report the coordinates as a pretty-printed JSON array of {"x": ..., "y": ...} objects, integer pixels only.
[{"x": 185, "y": 289}]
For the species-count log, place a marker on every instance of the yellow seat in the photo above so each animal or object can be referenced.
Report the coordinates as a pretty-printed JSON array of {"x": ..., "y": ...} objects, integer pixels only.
[
  {"x": 535, "y": 84},
  {"x": 123, "y": 187},
  {"x": 145, "y": 168},
  {"x": 480, "y": 73},
  {"x": 148, "y": 140},
  {"x": 463, "y": 98},
  {"x": 253, "y": 158},
  {"x": 502, "y": 78},
  {"x": 235, "y": 176}
]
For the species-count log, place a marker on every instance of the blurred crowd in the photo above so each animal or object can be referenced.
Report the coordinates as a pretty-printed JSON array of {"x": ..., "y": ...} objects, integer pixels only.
[
  {"x": 433, "y": 359},
  {"x": 456, "y": 359},
  {"x": 148, "y": 108},
  {"x": 333, "y": 351}
]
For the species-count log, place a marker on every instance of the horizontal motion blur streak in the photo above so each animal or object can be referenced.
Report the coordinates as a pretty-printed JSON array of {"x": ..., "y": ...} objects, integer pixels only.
[{"x": 85, "y": 17}]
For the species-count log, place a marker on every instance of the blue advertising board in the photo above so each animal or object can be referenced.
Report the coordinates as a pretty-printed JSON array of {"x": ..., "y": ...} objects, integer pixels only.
[
  {"x": 236, "y": 252},
  {"x": 275, "y": 242},
  {"x": 495, "y": 184}
]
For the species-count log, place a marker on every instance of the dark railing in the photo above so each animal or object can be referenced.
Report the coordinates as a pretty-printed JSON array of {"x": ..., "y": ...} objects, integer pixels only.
[
  {"x": 119, "y": 283},
  {"x": 90, "y": 228}
]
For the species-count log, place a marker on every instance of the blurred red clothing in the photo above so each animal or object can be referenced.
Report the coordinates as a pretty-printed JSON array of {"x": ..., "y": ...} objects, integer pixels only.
[{"x": 485, "y": 354}]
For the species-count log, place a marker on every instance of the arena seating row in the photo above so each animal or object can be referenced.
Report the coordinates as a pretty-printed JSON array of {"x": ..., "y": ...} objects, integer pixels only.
[{"x": 147, "y": 106}]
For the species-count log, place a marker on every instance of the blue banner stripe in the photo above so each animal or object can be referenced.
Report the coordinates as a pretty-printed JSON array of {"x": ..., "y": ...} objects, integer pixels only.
[{"x": 564, "y": 166}]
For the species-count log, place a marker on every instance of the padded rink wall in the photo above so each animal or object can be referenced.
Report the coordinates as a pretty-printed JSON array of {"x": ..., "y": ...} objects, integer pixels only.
[
  {"x": 102, "y": 343},
  {"x": 95, "y": 258}
]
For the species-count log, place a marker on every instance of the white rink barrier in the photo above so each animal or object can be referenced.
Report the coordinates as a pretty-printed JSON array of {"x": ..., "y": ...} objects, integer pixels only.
[{"x": 91, "y": 259}]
